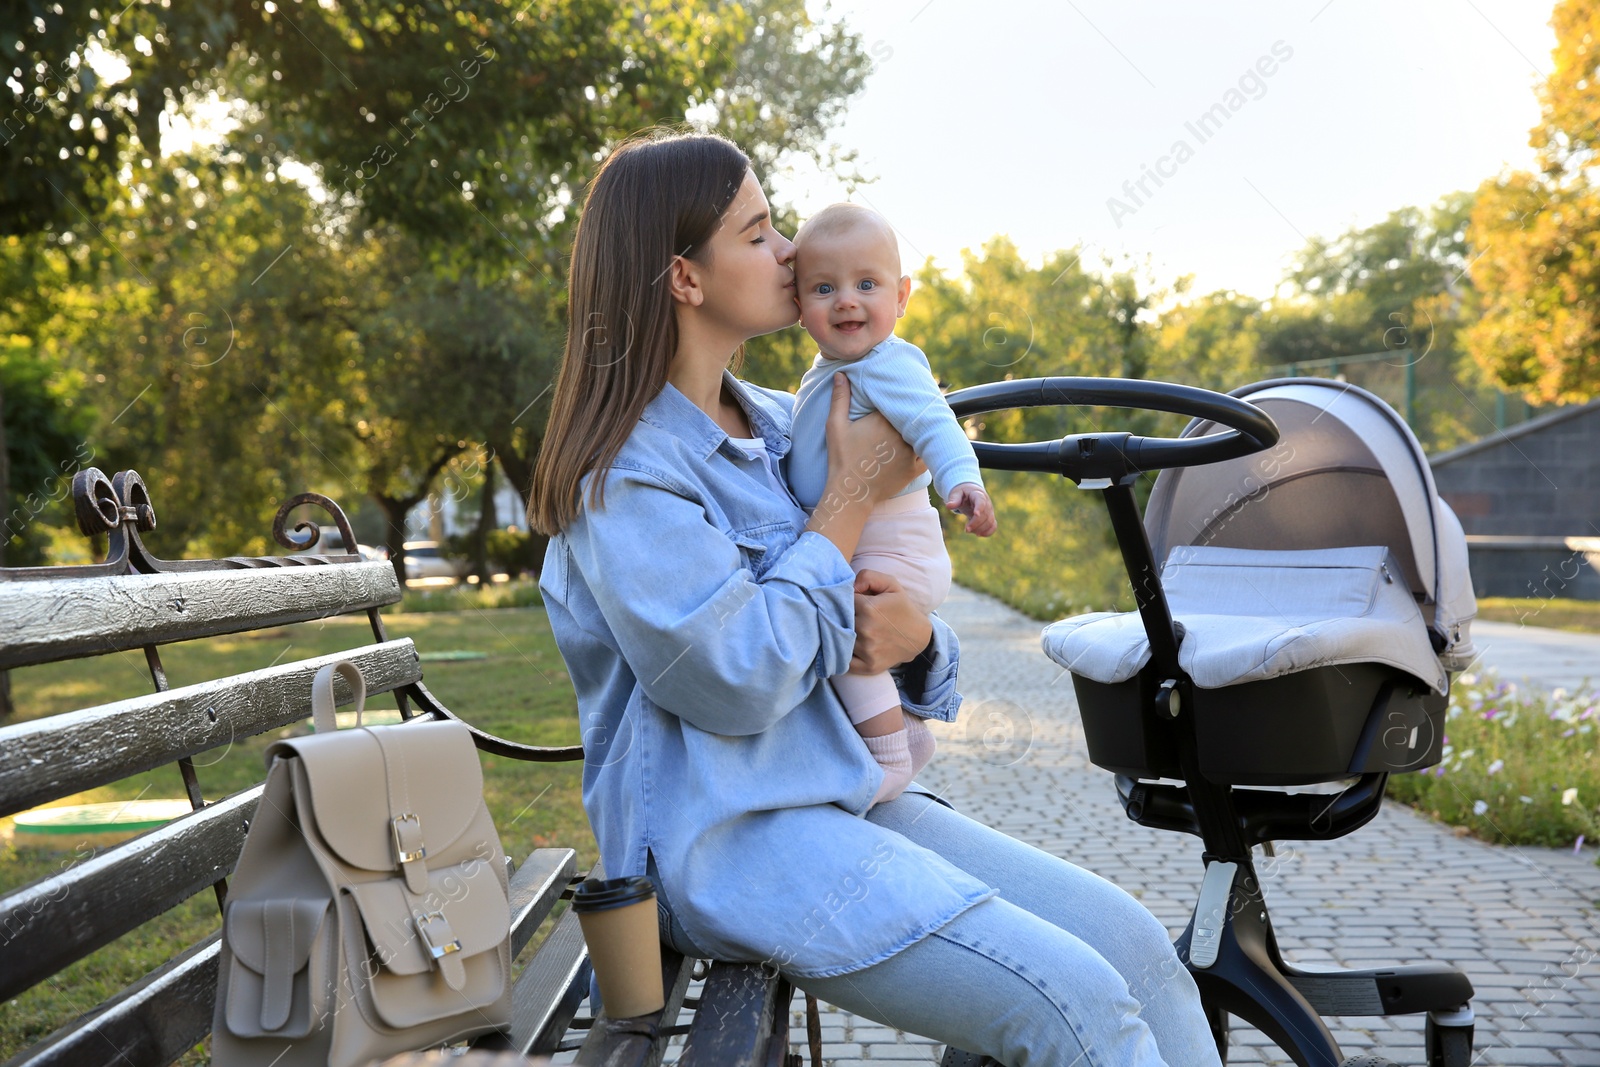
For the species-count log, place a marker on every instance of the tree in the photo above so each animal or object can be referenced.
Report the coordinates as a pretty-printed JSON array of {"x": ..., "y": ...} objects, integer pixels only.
[
  {"x": 416, "y": 310},
  {"x": 1399, "y": 288},
  {"x": 1210, "y": 341},
  {"x": 1538, "y": 279},
  {"x": 45, "y": 446},
  {"x": 373, "y": 91},
  {"x": 226, "y": 341}
]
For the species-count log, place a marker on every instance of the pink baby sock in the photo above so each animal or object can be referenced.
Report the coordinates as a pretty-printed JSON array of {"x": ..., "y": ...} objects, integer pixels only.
[{"x": 895, "y": 758}]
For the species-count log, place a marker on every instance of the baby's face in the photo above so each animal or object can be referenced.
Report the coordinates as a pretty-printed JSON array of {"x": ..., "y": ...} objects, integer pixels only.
[{"x": 850, "y": 290}]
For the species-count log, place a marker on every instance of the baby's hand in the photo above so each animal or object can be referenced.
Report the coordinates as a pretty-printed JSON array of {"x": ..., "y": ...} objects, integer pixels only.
[{"x": 970, "y": 500}]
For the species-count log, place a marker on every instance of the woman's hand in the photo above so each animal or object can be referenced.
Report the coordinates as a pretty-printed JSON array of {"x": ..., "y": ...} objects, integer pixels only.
[
  {"x": 867, "y": 461},
  {"x": 867, "y": 458},
  {"x": 890, "y": 628}
]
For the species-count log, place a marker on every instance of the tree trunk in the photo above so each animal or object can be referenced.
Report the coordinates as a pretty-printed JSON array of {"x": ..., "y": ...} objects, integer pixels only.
[
  {"x": 394, "y": 532},
  {"x": 517, "y": 467},
  {"x": 396, "y": 508},
  {"x": 519, "y": 472},
  {"x": 486, "y": 522}
]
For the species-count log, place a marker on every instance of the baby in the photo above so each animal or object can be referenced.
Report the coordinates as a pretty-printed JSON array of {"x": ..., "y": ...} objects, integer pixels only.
[{"x": 851, "y": 291}]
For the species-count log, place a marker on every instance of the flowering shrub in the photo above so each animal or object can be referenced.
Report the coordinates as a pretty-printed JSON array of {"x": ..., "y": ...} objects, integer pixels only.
[{"x": 1521, "y": 765}]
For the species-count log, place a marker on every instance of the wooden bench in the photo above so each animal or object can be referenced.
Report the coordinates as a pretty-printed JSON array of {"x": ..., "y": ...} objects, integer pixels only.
[{"x": 135, "y": 600}]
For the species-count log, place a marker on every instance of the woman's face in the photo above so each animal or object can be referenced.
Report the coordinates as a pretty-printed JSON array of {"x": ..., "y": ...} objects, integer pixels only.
[{"x": 749, "y": 287}]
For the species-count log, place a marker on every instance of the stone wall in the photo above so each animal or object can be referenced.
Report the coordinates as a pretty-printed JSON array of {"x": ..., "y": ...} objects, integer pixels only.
[
  {"x": 1529, "y": 500},
  {"x": 1539, "y": 479}
]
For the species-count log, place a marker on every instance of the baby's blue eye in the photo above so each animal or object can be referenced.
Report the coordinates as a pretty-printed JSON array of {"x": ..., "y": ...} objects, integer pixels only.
[
  {"x": 867, "y": 283},
  {"x": 824, "y": 288}
]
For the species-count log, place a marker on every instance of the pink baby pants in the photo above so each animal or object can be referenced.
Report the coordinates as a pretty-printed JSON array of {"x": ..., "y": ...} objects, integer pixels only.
[{"x": 902, "y": 538}]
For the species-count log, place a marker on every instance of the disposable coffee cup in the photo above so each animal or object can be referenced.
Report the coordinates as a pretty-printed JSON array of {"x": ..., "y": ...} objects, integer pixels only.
[{"x": 618, "y": 919}]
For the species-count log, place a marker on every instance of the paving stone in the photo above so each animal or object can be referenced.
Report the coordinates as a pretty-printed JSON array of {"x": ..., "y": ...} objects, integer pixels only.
[{"x": 1519, "y": 1057}]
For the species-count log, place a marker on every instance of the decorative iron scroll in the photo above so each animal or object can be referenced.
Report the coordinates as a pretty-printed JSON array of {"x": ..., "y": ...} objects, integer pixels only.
[{"x": 120, "y": 507}]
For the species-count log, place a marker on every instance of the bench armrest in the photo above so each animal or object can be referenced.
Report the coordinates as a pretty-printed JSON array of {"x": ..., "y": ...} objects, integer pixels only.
[{"x": 431, "y": 705}]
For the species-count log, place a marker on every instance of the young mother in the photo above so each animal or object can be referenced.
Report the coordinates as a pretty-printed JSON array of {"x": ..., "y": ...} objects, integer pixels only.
[{"x": 701, "y": 611}]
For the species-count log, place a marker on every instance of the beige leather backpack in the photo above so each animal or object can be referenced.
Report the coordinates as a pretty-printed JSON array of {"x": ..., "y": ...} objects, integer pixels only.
[{"x": 369, "y": 912}]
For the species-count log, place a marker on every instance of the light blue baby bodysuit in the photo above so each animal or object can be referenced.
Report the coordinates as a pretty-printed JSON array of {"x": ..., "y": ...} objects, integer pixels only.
[{"x": 893, "y": 378}]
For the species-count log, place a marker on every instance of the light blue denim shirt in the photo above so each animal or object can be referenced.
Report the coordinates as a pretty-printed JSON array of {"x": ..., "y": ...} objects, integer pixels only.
[{"x": 699, "y": 622}]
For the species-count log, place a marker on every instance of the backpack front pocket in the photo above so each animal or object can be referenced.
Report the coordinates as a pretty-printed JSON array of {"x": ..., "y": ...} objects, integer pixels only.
[{"x": 280, "y": 979}]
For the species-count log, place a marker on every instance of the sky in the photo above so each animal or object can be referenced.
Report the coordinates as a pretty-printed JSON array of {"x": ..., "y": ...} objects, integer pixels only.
[{"x": 1026, "y": 118}]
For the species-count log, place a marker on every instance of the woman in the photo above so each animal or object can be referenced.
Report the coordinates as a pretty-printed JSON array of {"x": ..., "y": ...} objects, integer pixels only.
[{"x": 700, "y": 612}]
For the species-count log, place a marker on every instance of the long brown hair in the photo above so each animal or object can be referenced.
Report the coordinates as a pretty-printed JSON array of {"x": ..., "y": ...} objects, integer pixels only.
[{"x": 660, "y": 194}]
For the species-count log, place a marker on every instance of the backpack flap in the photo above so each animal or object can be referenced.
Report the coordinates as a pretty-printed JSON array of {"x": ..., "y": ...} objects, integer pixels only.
[
  {"x": 453, "y": 937},
  {"x": 279, "y": 982},
  {"x": 434, "y": 791}
]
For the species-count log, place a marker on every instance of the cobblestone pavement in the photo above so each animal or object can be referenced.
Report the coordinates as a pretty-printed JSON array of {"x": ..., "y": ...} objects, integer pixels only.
[
  {"x": 1523, "y": 923},
  {"x": 1542, "y": 656}
]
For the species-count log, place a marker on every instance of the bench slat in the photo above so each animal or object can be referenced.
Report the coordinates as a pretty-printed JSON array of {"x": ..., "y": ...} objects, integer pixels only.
[
  {"x": 64, "y": 917},
  {"x": 640, "y": 1042},
  {"x": 65, "y": 618},
  {"x": 535, "y": 888},
  {"x": 54, "y": 757},
  {"x": 550, "y": 989},
  {"x": 737, "y": 1018},
  {"x": 154, "y": 1021}
]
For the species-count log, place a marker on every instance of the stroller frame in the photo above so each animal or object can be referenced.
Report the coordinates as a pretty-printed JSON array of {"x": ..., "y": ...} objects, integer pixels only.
[
  {"x": 1229, "y": 945},
  {"x": 1247, "y": 975}
]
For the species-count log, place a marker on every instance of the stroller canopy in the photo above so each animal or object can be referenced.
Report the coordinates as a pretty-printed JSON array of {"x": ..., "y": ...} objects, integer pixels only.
[{"x": 1346, "y": 472}]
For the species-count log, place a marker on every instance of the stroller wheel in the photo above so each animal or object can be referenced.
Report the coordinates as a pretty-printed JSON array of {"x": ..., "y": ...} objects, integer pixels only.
[{"x": 1448, "y": 1046}]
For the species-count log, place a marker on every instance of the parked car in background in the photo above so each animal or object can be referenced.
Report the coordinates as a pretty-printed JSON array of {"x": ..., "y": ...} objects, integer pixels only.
[
  {"x": 426, "y": 559},
  {"x": 332, "y": 542}
]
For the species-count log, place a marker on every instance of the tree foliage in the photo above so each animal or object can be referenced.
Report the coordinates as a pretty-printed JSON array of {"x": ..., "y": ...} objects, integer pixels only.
[
  {"x": 374, "y": 93},
  {"x": 1396, "y": 293},
  {"x": 46, "y": 427},
  {"x": 363, "y": 279},
  {"x": 1538, "y": 277}
]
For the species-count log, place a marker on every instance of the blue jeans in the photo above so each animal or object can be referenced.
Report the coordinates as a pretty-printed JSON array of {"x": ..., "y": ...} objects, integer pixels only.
[{"x": 1063, "y": 967}]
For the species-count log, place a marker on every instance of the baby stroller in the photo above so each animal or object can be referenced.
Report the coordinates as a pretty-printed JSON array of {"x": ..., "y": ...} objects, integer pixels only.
[{"x": 1311, "y": 602}]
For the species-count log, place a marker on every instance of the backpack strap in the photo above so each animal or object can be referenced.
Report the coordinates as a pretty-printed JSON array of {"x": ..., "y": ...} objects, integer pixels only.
[{"x": 322, "y": 705}]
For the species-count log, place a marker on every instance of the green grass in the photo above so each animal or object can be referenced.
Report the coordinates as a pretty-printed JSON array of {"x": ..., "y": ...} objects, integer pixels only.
[
  {"x": 1521, "y": 766},
  {"x": 1580, "y": 616},
  {"x": 1053, "y": 554},
  {"x": 520, "y": 692},
  {"x": 521, "y": 593}
]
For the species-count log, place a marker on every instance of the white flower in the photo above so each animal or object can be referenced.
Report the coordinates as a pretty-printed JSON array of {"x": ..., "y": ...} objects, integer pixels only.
[
  {"x": 1569, "y": 796},
  {"x": 1495, "y": 767},
  {"x": 1526, "y": 800},
  {"x": 1479, "y": 807}
]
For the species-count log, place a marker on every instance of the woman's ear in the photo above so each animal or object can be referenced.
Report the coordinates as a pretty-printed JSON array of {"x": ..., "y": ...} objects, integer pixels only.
[{"x": 683, "y": 281}]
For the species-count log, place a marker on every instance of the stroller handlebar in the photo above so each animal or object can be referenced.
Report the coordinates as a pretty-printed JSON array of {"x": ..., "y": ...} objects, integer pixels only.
[{"x": 1115, "y": 456}]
